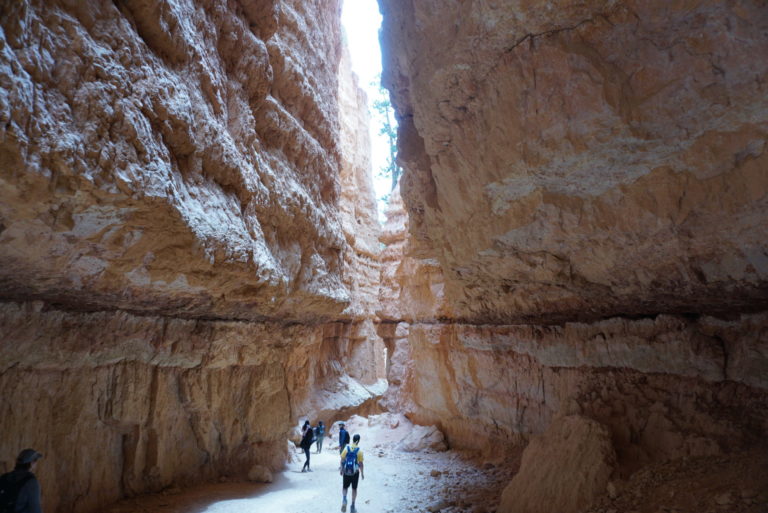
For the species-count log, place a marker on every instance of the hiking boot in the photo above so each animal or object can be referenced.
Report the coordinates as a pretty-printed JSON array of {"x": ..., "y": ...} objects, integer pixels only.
[
  {"x": 344, "y": 504},
  {"x": 353, "y": 510}
]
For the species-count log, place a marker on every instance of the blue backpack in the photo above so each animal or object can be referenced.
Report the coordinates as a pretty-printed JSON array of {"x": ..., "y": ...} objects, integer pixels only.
[{"x": 350, "y": 461}]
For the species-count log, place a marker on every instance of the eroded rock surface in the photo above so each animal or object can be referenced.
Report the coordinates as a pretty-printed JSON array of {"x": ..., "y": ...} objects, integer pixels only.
[
  {"x": 180, "y": 158},
  {"x": 123, "y": 404},
  {"x": 188, "y": 239},
  {"x": 587, "y": 213},
  {"x": 666, "y": 388},
  {"x": 584, "y": 160}
]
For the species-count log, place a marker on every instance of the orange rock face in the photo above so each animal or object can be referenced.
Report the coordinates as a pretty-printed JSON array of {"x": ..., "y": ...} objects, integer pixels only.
[
  {"x": 188, "y": 239},
  {"x": 587, "y": 208},
  {"x": 175, "y": 159},
  {"x": 578, "y": 161},
  {"x": 565, "y": 468}
]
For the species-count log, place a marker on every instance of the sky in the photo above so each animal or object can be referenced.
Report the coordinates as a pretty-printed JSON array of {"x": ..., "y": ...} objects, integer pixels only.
[{"x": 361, "y": 20}]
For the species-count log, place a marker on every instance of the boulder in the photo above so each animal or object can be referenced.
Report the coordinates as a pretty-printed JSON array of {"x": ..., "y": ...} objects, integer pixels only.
[
  {"x": 260, "y": 474},
  {"x": 423, "y": 438}
]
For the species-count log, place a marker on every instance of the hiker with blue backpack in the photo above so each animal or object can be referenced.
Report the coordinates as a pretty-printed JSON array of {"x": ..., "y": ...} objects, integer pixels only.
[
  {"x": 20, "y": 489},
  {"x": 351, "y": 470}
]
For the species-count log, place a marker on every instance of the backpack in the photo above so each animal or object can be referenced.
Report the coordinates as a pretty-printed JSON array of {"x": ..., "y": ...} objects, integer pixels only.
[
  {"x": 10, "y": 486},
  {"x": 343, "y": 437},
  {"x": 307, "y": 439},
  {"x": 350, "y": 461}
]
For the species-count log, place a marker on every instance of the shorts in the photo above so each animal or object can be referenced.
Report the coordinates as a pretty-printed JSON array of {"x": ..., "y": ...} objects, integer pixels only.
[{"x": 351, "y": 480}]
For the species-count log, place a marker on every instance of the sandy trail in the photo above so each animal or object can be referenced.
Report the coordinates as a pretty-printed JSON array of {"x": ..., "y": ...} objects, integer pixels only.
[{"x": 395, "y": 481}]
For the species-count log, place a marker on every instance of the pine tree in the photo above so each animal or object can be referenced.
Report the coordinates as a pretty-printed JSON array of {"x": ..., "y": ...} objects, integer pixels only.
[{"x": 385, "y": 118}]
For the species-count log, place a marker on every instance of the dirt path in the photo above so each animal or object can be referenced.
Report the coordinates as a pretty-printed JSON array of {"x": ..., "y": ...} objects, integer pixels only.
[
  {"x": 447, "y": 482},
  {"x": 395, "y": 481}
]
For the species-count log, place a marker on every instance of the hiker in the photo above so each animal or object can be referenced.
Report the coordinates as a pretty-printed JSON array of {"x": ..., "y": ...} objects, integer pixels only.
[
  {"x": 343, "y": 437},
  {"x": 351, "y": 470},
  {"x": 306, "y": 443},
  {"x": 20, "y": 489},
  {"x": 319, "y": 435}
]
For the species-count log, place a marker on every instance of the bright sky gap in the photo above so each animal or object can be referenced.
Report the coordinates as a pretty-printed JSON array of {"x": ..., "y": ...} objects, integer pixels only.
[{"x": 361, "y": 20}]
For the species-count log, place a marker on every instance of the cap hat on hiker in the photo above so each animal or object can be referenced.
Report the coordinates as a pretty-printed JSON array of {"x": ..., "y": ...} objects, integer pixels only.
[{"x": 28, "y": 456}]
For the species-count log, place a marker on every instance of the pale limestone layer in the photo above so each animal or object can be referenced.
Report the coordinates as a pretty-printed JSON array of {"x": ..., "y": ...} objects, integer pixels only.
[
  {"x": 666, "y": 388},
  {"x": 584, "y": 160},
  {"x": 177, "y": 158}
]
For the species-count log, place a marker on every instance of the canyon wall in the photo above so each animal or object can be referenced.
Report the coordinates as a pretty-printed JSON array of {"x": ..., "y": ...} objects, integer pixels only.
[
  {"x": 188, "y": 239},
  {"x": 173, "y": 158},
  {"x": 587, "y": 214}
]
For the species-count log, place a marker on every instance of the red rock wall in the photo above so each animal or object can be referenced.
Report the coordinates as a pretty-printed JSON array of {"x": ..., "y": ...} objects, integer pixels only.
[
  {"x": 587, "y": 207},
  {"x": 187, "y": 239}
]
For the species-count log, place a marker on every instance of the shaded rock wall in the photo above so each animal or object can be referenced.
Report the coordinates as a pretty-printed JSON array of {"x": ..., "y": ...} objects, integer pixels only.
[
  {"x": 573, "y": 461},
  {"x": 666, "y": 386},
  {"x": 584, "y": 160},
  {"x": 121, "y": 404},
  {"x": 587, "y": 205},
  {"x": 187, "y": 239}
]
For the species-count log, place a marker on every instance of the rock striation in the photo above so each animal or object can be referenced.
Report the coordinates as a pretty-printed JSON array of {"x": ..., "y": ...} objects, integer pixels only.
[
  {"x": 121, "y": 404},
  {"x": 188, "y": 240},
  {"x": 180, "y": 159},
  {"x": 587, "y": 213}
]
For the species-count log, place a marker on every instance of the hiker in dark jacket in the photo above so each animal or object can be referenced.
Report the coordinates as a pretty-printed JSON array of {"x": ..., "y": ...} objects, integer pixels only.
[
  {"x": 23, "y": 483},
  {"x": 343, "y": 437},
  {"x": 306, "y": 443}
]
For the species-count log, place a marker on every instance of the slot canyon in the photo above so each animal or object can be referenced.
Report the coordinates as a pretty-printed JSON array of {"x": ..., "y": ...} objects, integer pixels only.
[{"x": 569, "y": 294}]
